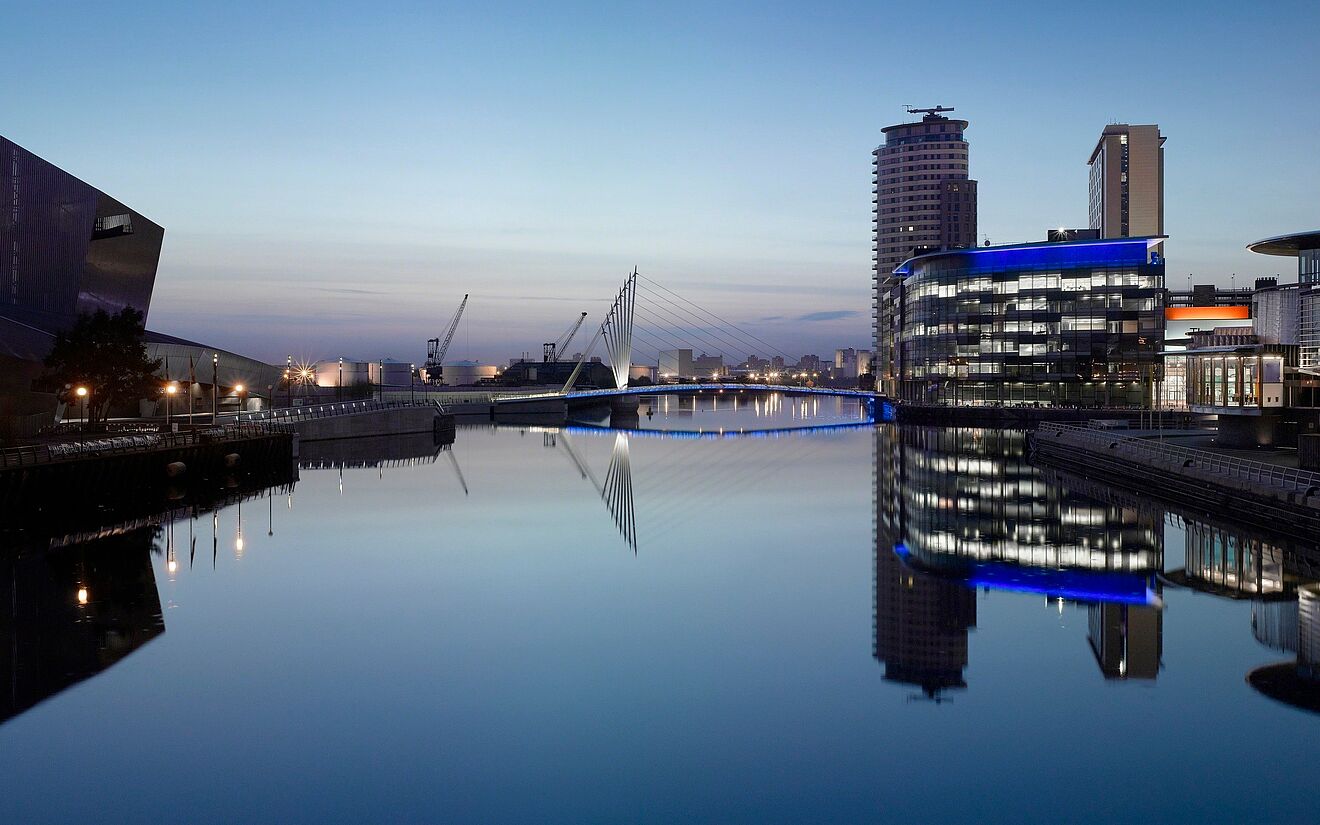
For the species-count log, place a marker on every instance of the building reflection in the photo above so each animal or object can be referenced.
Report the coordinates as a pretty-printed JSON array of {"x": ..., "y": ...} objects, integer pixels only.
[
  {"x": 1281, "y": 579},
  {"x": 962, "y": 508},
  {"x": 72, "y": 612}
]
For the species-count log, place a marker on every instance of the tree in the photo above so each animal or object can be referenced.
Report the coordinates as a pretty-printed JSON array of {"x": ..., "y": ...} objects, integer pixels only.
[{"x": 105, "y": 354}]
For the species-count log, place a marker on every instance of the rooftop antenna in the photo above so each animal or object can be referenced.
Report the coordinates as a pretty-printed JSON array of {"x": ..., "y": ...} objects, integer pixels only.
[{"x": 932, "y": 112}]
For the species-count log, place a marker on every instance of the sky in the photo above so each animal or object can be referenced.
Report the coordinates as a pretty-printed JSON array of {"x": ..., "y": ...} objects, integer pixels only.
[{"x": 333, "y": 178}]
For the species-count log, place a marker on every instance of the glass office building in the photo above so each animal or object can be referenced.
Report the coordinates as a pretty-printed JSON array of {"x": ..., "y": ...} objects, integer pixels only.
[{"x": 1074, "y": 323}]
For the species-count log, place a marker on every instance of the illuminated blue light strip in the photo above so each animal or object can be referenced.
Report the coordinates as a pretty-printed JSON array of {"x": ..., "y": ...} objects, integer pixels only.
[
  {"x": 1081, "y": 585},
  {"x": 781, "y": 432},
  {"x": 1109, "y": 252}
]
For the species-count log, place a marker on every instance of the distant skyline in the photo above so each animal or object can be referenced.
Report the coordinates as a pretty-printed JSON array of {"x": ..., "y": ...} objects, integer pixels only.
[{"x": 333, "y": 178}]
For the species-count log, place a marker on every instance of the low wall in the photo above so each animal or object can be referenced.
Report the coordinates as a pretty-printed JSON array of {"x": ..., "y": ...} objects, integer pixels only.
[{"x": 392, "y": 421}]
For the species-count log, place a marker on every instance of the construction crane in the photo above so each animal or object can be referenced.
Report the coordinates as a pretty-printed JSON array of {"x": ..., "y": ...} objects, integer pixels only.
[
  {"x": 551, "y": 351},
  {"x": 435, "y": 349}
]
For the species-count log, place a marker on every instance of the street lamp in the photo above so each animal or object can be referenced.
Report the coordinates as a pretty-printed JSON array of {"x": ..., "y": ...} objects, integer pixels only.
[
  {"x": 238, "y": 390},
  {"x": 170, "y": 389},
  {"x": 339, "y": 386},
  {"x": 215, "y": 387},
  {"x": 81, "y": 392}
]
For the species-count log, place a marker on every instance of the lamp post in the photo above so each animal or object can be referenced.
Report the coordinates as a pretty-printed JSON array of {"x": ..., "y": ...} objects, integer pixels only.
[
  {"x": 81, "y": 392},
  {"x": 339, "y": 385},
  {"x": 288, "y": 377},
  {"x": 215, "y": 387},
  {"x": 170, "y": 389},
  {"x": 239, "y": 389},
  {"x": 412, "y": 383}
]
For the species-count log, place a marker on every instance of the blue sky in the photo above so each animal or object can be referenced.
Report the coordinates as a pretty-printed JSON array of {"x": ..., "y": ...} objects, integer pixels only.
[{"x": 333, "y": 177}]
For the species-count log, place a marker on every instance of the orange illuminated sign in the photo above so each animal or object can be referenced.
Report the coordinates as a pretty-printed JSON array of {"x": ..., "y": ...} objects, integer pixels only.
[{"x": 1207, "y": 314}]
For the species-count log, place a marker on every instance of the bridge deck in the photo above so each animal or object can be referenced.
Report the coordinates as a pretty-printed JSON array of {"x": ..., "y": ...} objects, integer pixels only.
[{"x": 671, "y": 389}]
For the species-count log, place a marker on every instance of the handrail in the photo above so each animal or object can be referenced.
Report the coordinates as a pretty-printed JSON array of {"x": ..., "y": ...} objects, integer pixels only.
[
  {"x": 662, "y": 389},
  {"x": 1191, "y": 457},
  {"x": 48, "y": 453},
  {"x": 281, "y": 415}
]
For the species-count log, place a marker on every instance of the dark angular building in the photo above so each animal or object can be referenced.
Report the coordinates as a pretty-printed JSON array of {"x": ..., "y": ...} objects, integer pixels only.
[{"x": 65, "y": 248}]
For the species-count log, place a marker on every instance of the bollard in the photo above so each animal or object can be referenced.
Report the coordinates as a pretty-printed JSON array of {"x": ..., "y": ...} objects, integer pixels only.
[
  {"x": 175, "y": 469},
  {"x": 232, "y": 460}
]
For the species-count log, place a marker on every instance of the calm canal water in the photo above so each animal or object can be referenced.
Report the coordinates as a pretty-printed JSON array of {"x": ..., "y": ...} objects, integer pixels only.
[{"x": 859, "y": 623}]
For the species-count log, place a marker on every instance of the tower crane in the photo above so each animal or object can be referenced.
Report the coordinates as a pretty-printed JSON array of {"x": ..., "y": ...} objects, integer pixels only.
[
  {"x": 552, "y": 351},
  {"x": 435, "y": 349}
]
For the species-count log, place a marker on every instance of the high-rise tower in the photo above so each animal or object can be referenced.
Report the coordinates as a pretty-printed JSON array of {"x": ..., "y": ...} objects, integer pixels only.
[
  {"x": 1127, "y": 182},
  {"x": 924, "y": 202}
]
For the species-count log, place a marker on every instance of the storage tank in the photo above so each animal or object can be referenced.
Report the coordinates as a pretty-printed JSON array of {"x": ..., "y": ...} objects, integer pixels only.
[
  {"x": 355, "y": 373},
  {"x": 392, "y": 373},
  {"x": 467, "y": 373}
]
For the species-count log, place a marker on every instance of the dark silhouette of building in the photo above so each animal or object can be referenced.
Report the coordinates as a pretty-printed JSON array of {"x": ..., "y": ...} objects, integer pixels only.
[
  {"x": 68, "y": 248},
  {"x": 73, "y": 612}
]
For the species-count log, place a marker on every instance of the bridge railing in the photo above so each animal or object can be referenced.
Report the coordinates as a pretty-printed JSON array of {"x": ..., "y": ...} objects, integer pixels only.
[
  {"x": 1186, "y": 458},
  {"x": 659, "y": 389},
  {"x": 282, "y": 415}
]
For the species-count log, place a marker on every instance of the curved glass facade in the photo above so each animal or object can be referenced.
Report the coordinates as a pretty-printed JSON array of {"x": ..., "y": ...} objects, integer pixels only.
[{"x": 1077, "y": 323}]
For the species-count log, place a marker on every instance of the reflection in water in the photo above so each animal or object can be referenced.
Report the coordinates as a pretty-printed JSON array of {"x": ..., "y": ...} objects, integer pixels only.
[
  {"x": 73, "y": 612},
  {"x": 960, "y": 508}
]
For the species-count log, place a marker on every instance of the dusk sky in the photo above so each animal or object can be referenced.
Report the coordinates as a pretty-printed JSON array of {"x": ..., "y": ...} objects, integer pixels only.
[{"x": 333, "y": 177}]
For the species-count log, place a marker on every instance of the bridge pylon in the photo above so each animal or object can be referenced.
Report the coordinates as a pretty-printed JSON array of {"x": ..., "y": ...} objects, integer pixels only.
[{"x": 616, "y": 329}]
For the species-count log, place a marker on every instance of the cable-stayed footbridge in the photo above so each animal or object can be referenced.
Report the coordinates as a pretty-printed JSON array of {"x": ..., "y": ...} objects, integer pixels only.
[{"x": 649, "y": 320}]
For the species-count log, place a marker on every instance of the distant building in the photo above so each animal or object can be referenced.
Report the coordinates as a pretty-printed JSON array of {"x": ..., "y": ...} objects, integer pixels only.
[
  {"x": 923, "y": 200},
  {"x": 1276, "y": 311},
  {"x": 676, "y": 363},
  {"x": 708, "y": 366},
  {"x": 1127, "y": 182},
  {"x": 1305, "y": 247}
]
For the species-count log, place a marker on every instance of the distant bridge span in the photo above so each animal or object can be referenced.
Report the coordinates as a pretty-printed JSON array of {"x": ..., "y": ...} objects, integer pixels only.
[
  {"x": 878, "y": 406},
  {"x": 687, "y": 389}
]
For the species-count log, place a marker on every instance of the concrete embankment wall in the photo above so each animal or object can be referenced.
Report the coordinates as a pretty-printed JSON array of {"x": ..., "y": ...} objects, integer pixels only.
[
  {"x": 127, "y": 480},
  {"x": 392, "y": 421},
  {"x": 1184, "y": 479}
]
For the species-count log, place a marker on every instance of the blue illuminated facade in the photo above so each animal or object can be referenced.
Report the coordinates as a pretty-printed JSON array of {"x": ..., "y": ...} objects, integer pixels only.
[{"x": 1077, "y": 323}]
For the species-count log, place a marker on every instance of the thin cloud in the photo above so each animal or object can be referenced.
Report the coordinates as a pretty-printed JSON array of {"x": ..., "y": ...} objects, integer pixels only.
[{"x": 829, "y": 315}]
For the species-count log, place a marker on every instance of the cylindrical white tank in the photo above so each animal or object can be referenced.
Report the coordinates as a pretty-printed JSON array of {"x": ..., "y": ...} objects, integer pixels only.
[
  {"x": 466, "y": 373},
  {"x": 354, "y": 373}
]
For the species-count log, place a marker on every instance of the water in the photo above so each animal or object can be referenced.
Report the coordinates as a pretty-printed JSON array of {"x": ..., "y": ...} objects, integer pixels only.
[{"x": 550, "y": 625}]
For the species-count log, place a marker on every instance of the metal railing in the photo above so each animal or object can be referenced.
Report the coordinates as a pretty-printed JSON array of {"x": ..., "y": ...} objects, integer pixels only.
[
  {"x": 291, "y": 415},
  {"x": 664, "y": 389},
  {"x": 1186, "y": 458},
  {"x": 67, "y": 450}
]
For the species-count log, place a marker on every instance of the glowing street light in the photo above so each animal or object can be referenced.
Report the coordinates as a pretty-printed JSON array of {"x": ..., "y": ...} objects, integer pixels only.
[
  {"x": 242, "y": 402},
  {"x": 170, "y": 390},
  {"x": 81, "y": 392}
]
